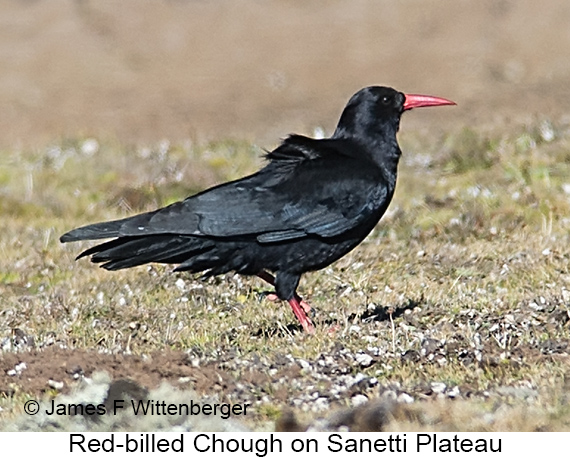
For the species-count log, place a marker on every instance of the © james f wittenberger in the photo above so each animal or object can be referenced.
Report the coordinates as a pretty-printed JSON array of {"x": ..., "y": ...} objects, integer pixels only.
[{"x": 147, "y": 407}]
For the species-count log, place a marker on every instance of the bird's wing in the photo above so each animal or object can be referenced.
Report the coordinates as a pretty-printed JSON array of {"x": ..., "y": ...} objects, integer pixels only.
[{"x": 300, "y": 192}]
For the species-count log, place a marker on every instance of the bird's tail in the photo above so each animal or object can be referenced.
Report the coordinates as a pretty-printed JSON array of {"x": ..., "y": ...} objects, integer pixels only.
[
  {"x": 104, "y": 230},
  {"x": 131, "y": 251}
]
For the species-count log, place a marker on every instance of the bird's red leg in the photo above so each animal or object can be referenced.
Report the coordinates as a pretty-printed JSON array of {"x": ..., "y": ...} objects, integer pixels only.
[
  {"x": 301, "y": 315},
  {"x": 300, "y": 307}
]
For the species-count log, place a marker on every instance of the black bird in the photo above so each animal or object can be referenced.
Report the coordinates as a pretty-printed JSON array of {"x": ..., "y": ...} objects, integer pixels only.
[{"x": 313, "y": 202}]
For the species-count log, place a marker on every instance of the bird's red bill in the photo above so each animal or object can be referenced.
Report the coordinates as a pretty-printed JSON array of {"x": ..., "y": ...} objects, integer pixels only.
[{"x": 418, "y": 101}]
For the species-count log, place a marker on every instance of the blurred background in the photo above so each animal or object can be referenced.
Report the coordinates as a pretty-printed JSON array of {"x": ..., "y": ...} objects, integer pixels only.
[{"x": 177, "y": 69}]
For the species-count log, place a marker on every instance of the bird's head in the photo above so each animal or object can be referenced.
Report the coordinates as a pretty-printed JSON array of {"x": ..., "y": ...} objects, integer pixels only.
[{"x": 376, "y": 110}]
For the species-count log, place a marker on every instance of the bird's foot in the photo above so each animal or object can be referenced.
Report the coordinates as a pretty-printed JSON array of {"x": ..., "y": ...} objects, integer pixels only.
[
  {"x": 306, "y": 307},
  {"x": 299, "y": 311},
  {"x": 300, "y": 307}
]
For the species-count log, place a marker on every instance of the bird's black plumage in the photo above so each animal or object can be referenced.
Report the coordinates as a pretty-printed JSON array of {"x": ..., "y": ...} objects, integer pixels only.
[{"x": 313, "y": 202}]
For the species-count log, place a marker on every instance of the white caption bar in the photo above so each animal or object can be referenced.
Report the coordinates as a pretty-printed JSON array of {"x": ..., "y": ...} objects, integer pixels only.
[{"x": 269, "y": 444}]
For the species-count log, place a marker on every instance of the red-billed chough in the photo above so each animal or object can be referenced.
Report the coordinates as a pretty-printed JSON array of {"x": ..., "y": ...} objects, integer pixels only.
[{"x": 313, "y": 202}]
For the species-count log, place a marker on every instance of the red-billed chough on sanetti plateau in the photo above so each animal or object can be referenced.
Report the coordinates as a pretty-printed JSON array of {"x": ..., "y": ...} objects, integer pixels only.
[{"x": 313, "y": 202}]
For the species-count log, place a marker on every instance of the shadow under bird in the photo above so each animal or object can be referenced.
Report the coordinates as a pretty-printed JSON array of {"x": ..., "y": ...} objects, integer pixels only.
[{"x": 313, "y": 202}]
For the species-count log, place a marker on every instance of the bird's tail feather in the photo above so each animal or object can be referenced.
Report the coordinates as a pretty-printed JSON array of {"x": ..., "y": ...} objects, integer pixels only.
[
  {"x": 102, "y": 230},
  {"x": 92, "y": 232},
  {"x": 129, "y": 252}
]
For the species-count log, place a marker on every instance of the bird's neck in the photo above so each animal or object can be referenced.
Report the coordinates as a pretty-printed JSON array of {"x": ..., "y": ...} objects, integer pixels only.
[{"x": 378, "y": 142}]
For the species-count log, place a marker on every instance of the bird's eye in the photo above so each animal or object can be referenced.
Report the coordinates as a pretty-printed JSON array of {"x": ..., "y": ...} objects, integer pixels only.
[{"x": 386, "y": 100}]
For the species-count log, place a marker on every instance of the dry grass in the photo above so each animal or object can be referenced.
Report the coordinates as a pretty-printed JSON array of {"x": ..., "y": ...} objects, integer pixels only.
[{"x": 458, "y": 301}]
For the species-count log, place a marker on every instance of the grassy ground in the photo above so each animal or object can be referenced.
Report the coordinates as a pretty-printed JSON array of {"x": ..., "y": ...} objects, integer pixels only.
[{"x": 456, "y": 305}]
